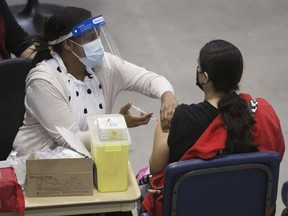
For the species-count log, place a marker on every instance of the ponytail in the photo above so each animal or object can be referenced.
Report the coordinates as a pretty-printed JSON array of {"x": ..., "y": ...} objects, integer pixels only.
[
  {"x": 238, "y": 120},
  {"x": 42, "y": 50},
  {"x": 224, "y": 64}
]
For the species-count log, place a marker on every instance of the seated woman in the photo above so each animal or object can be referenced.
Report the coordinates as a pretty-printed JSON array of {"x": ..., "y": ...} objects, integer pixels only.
[
  {"x": 224, "y": 123},
  {"x": 78, "y": 72}
]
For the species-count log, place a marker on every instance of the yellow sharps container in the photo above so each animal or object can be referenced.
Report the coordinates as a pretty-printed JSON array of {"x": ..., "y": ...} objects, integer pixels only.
[{"x": 110, "y": 142}]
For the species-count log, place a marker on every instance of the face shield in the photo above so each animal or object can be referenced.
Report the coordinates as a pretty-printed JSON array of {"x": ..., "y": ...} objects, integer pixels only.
[{"x": 93, "y": 36}]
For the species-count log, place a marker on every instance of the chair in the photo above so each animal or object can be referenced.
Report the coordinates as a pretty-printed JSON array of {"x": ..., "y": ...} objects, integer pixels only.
[
  {"x": 236, "y": 184},
  {"x": 284, "y": 193},
  {"x": 12, "y": 91},
  {"x": 32, "y": 16}
]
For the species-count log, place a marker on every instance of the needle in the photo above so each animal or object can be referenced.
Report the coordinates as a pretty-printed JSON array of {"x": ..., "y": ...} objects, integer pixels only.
[{"x": 142, "y": 111}]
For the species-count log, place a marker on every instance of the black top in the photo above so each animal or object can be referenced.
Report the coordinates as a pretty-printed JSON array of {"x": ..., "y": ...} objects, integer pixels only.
[
  {"x": 188, "y": 124},
  {"x": 13, "y": 37}
]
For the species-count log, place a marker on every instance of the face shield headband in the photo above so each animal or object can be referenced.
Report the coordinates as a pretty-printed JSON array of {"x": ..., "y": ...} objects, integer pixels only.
[
  {"x": 97, "y": 26},
  {"x": 78, "y": 30}
]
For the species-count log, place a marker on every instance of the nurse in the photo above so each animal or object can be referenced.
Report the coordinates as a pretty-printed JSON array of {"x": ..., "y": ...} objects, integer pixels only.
[{"x": 79, "y": 71}]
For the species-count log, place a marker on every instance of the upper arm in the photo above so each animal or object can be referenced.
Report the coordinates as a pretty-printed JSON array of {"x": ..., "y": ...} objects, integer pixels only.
[
  {"x": 160, "y": 152},
  {"x": 16, "y": 37},
  {"x": 146, "y": 82},
  {"x": 49, "y": 107}
]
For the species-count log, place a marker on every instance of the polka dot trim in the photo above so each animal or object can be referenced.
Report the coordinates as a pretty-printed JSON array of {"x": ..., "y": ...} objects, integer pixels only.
[
  {"x": 77, "y": 93},
  {"x": 85, "y": 111},
  {"x": 89, "y": 91},
  {"x": 100, "y": 86},
  {"x": 58, "y": 69},
  {"x": 100, "y": 106}
]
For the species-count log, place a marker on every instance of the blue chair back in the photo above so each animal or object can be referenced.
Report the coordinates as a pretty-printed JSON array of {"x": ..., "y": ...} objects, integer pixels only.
[
  {"x": 284, "y": 193},
  {"x": 236, "y": 184}
]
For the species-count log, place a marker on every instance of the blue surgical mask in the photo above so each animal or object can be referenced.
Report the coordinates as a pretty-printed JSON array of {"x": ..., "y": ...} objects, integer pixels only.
[{"x": 93, "y": 53}]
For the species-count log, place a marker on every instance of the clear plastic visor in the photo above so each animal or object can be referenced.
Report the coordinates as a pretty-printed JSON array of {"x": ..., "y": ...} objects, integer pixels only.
[{"x": 95, "y": 29}]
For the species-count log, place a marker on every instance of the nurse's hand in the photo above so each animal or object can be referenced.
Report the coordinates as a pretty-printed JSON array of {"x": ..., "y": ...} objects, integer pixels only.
[
  {"x": 168, "y": 106},
  {"x": 134, "y": 120}
]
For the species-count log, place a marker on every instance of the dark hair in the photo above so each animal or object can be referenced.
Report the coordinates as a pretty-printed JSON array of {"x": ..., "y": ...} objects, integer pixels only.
[
  {"x": 59, "y": 24},
  {"x": 224, "y": 64}
]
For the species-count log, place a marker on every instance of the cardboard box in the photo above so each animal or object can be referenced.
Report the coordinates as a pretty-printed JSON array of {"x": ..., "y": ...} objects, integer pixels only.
[{"x": 59, "y": 177}]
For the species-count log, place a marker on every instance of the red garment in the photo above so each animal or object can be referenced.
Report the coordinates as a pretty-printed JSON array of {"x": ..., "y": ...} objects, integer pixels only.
[
  {"x": 11, "y": 194},
  {"x": 266, "y": 133},
  {"x": 4, "y": 53}
]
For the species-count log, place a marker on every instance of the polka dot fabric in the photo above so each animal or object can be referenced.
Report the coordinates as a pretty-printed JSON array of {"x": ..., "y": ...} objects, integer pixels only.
[{"x": 85, "y": 97}]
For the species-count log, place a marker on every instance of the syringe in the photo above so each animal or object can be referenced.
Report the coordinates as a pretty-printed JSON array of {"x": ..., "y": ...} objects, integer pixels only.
[{"x": 142, "y": 111}]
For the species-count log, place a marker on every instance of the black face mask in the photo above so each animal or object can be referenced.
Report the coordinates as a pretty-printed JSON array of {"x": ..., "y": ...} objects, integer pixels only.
[{"x": 200, "y": 85}]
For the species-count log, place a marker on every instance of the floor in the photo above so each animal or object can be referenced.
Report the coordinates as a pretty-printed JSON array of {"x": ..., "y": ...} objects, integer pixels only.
[{"x": 165, "y": 36}]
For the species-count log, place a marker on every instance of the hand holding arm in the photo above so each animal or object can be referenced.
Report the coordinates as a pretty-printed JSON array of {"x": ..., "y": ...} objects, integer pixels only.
[{"x": 168, "y": 106}]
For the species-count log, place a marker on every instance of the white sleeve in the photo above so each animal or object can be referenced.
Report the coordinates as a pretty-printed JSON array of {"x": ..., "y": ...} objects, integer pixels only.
[
  {"x": 50, "y": 108},
  {"x": 146, "y": 82}
]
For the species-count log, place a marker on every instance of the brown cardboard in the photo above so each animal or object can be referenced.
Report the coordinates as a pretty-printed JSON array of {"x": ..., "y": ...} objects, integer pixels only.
[{"x": 59, "y": 177}]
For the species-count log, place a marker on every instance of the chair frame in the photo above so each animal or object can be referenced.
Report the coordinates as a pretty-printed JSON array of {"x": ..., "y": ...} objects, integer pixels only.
[
  {"x": 284, "y": 194},
  {"x": 224, "y": 169},
  {"x": 174, "y": 176}
]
